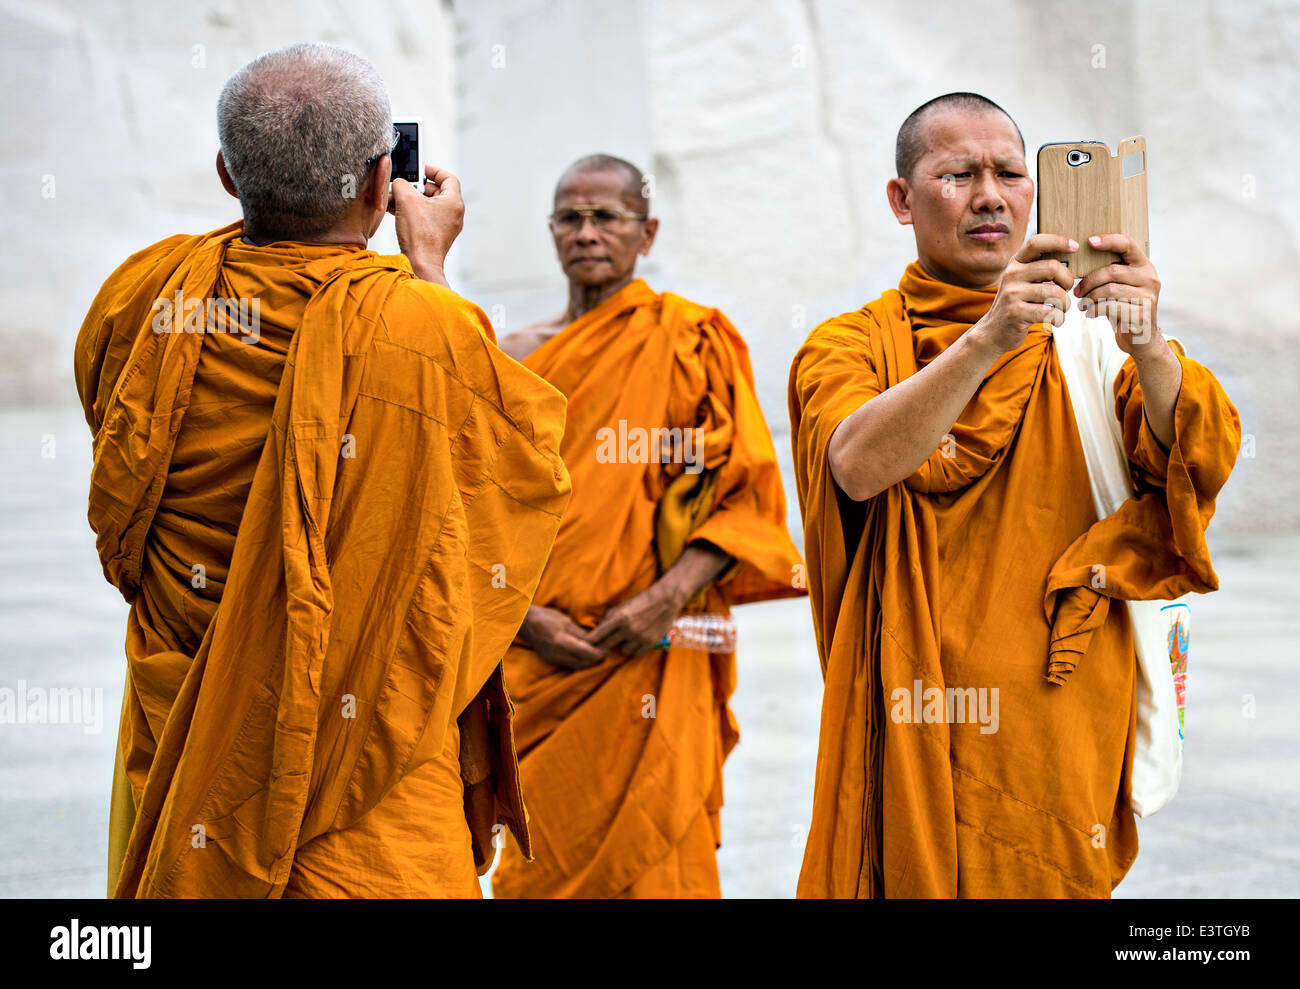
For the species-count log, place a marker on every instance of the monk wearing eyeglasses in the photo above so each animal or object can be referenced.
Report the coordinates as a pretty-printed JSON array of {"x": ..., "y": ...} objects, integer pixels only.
[{"x": 625, "y": 661}]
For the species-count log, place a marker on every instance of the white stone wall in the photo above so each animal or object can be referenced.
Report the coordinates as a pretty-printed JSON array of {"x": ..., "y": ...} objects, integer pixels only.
[
  {"x": 769, "y": 127},
  {"x": 541, "y": 83},
  {"x": 116, "y": 101}
]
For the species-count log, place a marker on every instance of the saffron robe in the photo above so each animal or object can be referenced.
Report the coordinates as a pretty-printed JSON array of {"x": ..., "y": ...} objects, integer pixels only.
[
  {"x": 328, "y": 531},
  {"x": 979, "y": 571},
  {"x": 622, "y": 761}
]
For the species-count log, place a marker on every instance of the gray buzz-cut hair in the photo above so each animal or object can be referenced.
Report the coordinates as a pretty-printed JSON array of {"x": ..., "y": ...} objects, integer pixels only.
[
  {"x": 296, "y": 126},
  {"x": 910, "y": 146}
]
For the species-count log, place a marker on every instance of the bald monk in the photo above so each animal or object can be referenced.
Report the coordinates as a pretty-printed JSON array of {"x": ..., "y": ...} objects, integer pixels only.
[
  {"x": 677, "y": 512},
  {"x": 328, "y": 510},
  {"x": 952, "y": 542}
]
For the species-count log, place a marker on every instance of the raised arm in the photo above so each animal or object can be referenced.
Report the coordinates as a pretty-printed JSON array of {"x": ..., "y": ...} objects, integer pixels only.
[
  {"x": 428, "y": 223},
  {"x": 1126, "y": 293},
  {"x": 893, "y": 434}
]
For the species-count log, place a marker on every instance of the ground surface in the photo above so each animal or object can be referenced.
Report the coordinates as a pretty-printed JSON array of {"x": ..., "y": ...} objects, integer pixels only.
[{"x": 1234, "y": 829}]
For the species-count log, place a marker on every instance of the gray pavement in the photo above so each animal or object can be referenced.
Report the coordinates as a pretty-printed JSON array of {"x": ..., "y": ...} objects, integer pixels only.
[{"x": 1233, "y": 831}]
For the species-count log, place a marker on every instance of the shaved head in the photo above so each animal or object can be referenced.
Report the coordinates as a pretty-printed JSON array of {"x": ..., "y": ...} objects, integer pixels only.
[
  {"x": 633, "y": 178},
  {"x": 294, "y": 125},
  {"x": 911, "y": 145}
]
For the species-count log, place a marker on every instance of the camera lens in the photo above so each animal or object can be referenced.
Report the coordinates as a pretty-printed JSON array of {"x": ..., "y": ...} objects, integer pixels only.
[{"x": 1077, "y": 157}]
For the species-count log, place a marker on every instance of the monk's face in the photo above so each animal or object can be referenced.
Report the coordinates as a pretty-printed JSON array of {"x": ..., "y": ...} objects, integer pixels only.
[
  {"x": 598, "y": 254},
  {"x": 968, "y": 198}
]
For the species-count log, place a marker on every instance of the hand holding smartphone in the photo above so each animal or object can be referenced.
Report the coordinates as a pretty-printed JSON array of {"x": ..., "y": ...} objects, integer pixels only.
[
  {"x": 408, "y": 156},
  {"x": 1084, "y": 190}
]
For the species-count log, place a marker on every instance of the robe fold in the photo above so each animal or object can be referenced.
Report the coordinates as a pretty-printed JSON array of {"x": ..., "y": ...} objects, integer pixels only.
[
  {"x": 977, "y": 574},
  {"x": 622, "y": 762},
  {"x": 328, "y": 525}
]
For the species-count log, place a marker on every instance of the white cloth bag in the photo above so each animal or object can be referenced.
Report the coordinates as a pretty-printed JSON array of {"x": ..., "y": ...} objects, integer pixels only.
[{"x": 1090, "y": 360}]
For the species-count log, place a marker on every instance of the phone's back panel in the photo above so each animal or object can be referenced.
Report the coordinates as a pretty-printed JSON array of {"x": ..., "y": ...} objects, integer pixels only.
[
  {"x": 1132, "y": 164},
  {"x": 1079, "y": 200}
]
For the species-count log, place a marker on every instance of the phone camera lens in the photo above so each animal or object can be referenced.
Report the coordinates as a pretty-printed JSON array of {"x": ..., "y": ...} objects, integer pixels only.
[{"x": 1077, "y": 157}]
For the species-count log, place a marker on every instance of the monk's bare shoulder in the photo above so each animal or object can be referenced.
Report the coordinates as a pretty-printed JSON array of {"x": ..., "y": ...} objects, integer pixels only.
[{"x": 521, "y": 343}]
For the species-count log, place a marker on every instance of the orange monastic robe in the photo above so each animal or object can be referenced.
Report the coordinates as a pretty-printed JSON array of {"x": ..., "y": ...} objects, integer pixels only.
[
  {"x": 977, "y": 572},
  {"x": 622, "y": 762},
  {"x": 328, "y": 524}
]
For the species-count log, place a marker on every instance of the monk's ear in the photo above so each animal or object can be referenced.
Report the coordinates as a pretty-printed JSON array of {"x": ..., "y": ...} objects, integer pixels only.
[
  {"x": 226, "y": 181},
  {"x": 899, "y": 193},
  {"x": 649, "y": 228},
  {"x": 375, "y": 191}
]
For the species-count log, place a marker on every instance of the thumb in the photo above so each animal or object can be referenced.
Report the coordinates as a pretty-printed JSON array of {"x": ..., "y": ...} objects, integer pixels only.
[
  {"x": 606, "y": 627},
  {"x": 403, "y": 192}
]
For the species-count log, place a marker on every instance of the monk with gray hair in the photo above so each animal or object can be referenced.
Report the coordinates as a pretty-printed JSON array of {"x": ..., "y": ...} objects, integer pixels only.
[{"x": 327, "y": 497}]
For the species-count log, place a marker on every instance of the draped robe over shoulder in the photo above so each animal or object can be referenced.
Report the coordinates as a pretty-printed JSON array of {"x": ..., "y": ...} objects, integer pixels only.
[
  {"x": 622, "y": 762},
  {"x": 328, "y": 531},
  {"x": 978, "y": 571}
]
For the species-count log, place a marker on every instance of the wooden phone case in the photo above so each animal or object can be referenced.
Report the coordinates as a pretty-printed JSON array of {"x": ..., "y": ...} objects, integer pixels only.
[{"x": 1095, "y": 197}]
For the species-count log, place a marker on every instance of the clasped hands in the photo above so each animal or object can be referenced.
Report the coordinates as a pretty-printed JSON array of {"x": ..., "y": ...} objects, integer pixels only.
[{"x": 631, "y": 628}]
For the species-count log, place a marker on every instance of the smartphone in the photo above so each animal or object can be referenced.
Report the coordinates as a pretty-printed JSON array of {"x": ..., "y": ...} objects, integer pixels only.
[
  {"x": 408, "y": 156},
  {"x": 1084, "y": 190}
]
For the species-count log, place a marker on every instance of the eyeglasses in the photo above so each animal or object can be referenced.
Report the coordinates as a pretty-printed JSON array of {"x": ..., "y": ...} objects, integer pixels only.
[
  {"x": 397, "y": 139},
  {"x": 569, "y": 220}
]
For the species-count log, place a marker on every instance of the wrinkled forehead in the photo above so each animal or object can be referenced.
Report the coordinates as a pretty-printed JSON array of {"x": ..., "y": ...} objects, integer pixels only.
[
  {"x": 606, "y": 187},
  {"x": 952, "y": 139}
]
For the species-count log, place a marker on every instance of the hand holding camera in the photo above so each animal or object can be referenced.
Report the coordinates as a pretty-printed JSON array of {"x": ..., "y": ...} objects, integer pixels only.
[
  {"x": 425, "y": 201},
  {"x": 427, "y": 224}
]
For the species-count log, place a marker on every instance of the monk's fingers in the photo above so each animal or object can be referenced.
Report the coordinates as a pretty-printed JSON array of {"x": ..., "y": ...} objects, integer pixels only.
[
  {"x": 632, "y": 646},
  {"x": 1038, "y": 304},
  {"x": 1135, "y": 317},
  {"x": 607, "y": 621},
  {"x": 571, "y": 652},
  {"x": 1042, "y": 244},
  {"x": 557, "y": 657},
  {"x": 1118, "y": 299},
  {"x": 1123, "y": 245},
  {"x": 603, "y": 627},
  {"x": 1045, "y": 294},
  {"x": 624, "y": 643},
  {"x": 1047, "y": 271},
  {"x": 443, "y": 181},
  {"x": 583, "y": 654},
  {"x": 567, "y": 626},
  {"x": 1115, "y": 291},
  {"x": 608, "y": 630},
  {"x": 1100, "y": 307},
  {"x": 569, "y": 661},
  {"x": 1119, "y": 274},
  {"x": 1053, "y": 313},
  {"x": 438, "y": 175},
  {"x": 643, "y": 638},
  {"x": 403, "y": 194}
]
